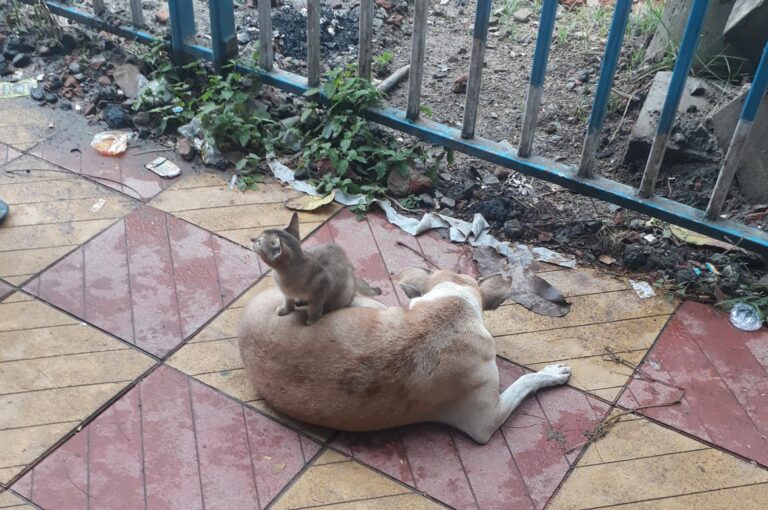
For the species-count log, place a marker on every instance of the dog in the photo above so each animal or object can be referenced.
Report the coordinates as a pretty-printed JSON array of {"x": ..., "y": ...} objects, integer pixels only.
[{"x": 371, "y": 367}]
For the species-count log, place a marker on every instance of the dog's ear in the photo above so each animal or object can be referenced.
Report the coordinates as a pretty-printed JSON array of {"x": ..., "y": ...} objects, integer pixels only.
[
  {"x": 413, "y": 281},
  {"x": 293, "y": 226},
  {"x": 494, "y": 289}
]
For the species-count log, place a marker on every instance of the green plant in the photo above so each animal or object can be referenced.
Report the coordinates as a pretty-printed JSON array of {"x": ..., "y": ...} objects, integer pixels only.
[
  {"x": 381, "y": 63},
  {"x": 36, "y": 18}
]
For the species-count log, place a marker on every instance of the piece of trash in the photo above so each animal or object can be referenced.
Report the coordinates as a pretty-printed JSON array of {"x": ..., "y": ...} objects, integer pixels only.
[
  {"x": 96, "y": 207},
  {"x": 745, "y": 317},
  {"x": 643, "y": 289},
  {"x": 650, "y": 238},
  {"x": 209, "y": 152},
  {"x": 607, "y": 260},
  {"x": 655, "y": 365},
  {"x": 551, "y": 257},
  {"x": 309, "y": 202},
  {"x": 712, "y": 268},
  {"x": 153, "y": 92},
  {"x": 111, "y": 143},
  {"x": 16, "y": 89},
  {"x": 690, "y": 237},
  {"x": 525, "y": 288},
  {"x": 697, "y": 271},
  {"x": 277, "y": 468},
  {"x": 126, "y": 76},
  {"x": 232, "y": 183},
  {"x": 163, "y": 167}
]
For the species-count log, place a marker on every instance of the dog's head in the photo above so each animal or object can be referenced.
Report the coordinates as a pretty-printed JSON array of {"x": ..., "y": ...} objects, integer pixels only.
[{"x": 491, "y": 291}]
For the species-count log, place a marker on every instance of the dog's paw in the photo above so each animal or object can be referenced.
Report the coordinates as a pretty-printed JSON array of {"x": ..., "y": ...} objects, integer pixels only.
[
  {"x": 282, "y": 310},
  {"x": 558, "y": 373},
  {"x": 309, "y": 322}
]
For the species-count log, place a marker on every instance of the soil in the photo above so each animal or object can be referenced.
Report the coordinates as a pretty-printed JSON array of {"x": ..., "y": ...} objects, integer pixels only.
[{"x": 519, "y": 208}]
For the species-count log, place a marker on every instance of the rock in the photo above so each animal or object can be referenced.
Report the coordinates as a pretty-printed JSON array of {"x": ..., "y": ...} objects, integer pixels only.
[
  {"x": 644, "y": 130},
  {"x": 44, "y": 51},
  {"x": 104, "y": 81},
  {"x": 522, "y": 15},
  {"x": 243, "y": 38},
  {"x": 70, "y": 82},
  {"x": 384, "y": 4},
  {"x": 116, "y": 117},
  {"x": 162, "y": 16},
  {"x": 637, "y": 224},
  {"x": 513, "y": 229},
  {"x": 51, "y": 98},
  {"x": 460, "y": 84},
  {"x": 21, "y": 60},
  {"x": 636, "y": 256},
  {"x": 126, "y": 76},
  {"x": 552, "y": 128},
  {"x": 106, "y": 94},
  {"x": 5, "y": 69},
  {"x": 490, "y": 179},
  {"x": 495, "y": 210},
  {"x": 448, "y": 202},
  {"x": 142, "y": 118},
  {"x": 65, "y": 106},
  {"x": 583, "y": 76},
  {"x": 395, "y": 20},
  {"x": 15, "y": 45},
  {"x": 75, "y": 68},
  {"x": 427, "y": 200},
  {"x": 185, "y": 149},
  {"x": 753, "y": 167},
  {"x": 414, "y": 183},
  {"x": 745, "y": 28},
  {"x": 89, "y": 109},
  {"x": 37, "y": 94},
  {"x": 79, "y": 76}
]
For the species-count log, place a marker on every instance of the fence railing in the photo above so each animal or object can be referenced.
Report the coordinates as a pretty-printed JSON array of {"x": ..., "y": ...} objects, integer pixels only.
[{"x": 581, "y": 179}]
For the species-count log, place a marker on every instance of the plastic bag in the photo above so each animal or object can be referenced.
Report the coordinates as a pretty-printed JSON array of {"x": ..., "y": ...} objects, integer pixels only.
[
  {"x": 111, "y": 143},
  {"x": 207, "y": 148},
  {"x": 154, "y": 92},
  {"x": 745, "y": 317}
]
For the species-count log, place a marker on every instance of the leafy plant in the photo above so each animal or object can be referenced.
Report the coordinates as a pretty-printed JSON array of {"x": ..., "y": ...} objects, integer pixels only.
[{"x": 382, "y": 62}]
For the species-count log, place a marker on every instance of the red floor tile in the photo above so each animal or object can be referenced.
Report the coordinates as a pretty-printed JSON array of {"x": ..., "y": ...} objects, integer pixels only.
[
  {"x": 519, "y": 468},
  {"x": 150, "y": 279},
  {"x": 723, "y": 372},
  {"x": 170, "y": 443},
  {"x": 71, "y": 149}
]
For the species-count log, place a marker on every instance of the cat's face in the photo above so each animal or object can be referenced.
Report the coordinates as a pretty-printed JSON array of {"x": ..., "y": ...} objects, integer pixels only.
[{"x": 277, "y": 247}]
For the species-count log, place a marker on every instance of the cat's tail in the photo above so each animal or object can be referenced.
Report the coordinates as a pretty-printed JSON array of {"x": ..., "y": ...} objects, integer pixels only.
[{"x": 364, "y": 289}]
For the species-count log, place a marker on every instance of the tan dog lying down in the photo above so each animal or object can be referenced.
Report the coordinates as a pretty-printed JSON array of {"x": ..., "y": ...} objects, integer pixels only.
[{"x": 370, "y": 367}]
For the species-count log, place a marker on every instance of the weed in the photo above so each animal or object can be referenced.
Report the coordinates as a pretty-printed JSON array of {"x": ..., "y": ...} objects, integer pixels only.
[
  {"x": 381, "y": 63},
  {"x": 36, "y": 18}
]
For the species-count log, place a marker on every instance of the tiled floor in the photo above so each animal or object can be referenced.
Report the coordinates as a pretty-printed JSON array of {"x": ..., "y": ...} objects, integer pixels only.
[{"x": 121, "y": 385}]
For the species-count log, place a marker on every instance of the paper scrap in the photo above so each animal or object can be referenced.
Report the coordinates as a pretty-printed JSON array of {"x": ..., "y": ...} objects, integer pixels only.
[
  {"x": 16, "y": 89},
  {"x": 163, "y": 167},
  {"x": 96, "y": 207},
  {"x": 643, "y": 289},
  {"x": 308, "y": 202}
]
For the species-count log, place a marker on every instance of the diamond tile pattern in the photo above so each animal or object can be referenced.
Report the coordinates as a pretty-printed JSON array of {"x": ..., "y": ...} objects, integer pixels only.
[
  {"x": 54, "y": 373},
  {"x": 150, "y": 279},
  {"x": 52, "y": 213},
  {"x": 170, "y": 443},
  {"x": 519, "y": 468},
  {"x": 206, "y": 200},
  {"x": 645, "y": 466},
  {"x": 9, "y": 500},
  {"x": 335, "y": 482},
  {"x": 724, "y": 373}
]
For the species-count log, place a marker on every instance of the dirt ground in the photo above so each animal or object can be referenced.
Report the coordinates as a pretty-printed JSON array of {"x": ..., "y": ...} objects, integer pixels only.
[{"x": 521, "y": 208}]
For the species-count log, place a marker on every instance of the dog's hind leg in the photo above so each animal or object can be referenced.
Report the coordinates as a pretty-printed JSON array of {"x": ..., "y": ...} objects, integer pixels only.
[{"x": 481, "y": 413}]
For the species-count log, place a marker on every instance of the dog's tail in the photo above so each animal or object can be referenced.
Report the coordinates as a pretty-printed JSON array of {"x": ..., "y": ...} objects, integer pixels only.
[{"x": 364, "y": 289}]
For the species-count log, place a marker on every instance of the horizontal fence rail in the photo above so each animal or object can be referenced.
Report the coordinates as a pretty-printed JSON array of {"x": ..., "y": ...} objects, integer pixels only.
[{"x": 578, "y": 178}]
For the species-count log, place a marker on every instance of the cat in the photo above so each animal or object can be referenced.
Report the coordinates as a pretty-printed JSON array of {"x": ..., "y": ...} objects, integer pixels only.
[{"x": 322, "y": 277}]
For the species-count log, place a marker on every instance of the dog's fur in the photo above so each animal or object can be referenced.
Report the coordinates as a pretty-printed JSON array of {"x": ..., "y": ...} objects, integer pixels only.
[{"x": 370, "y": 367}]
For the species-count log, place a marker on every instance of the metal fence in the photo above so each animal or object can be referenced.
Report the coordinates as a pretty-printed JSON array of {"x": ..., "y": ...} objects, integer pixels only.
[{"x": 581, "y": 179}]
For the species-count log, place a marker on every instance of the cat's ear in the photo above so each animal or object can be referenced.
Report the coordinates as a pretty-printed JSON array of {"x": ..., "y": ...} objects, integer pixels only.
[{"x": 293, "y": 226}]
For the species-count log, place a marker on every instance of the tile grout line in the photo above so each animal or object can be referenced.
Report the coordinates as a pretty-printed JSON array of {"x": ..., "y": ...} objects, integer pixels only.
[
  {"x": 128, "y": 281},
  {"x": 173, "y": 279},
  {"x": 306, "y": 467},
  {"x": 197, "y": 448},
  {"x": 451, "y": 435},
  {"x": 250, "y": 455},
  {"x": 141, "y": 440},
  {"x": 505, "y": 335}
]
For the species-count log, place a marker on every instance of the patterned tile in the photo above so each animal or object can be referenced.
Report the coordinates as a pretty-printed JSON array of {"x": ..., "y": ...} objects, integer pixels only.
[
  {"x": 519, "y": 468},
  {"x": 5, "y": 289},
  {"x": 336, "y": 482},
  {"x": 724, "y": 373},
  {"x": 206, "y": 200},
  {"x": 170, "y": 443},
  {"x": 71, "y": 149},
  {"x": 9, "y": 500},
  {"x": 150, "y": 279},
  {"x": 54, "y": 373},
  {"x": 23, "y": 124},
  {"x": 641, "y": 465},
  {"x": 52, "y": 212}
]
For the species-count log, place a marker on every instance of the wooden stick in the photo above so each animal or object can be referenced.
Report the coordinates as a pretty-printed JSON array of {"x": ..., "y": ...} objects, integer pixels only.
[
  {"x": 365, "y": 41},
  {"x": 393, "y": 79},
  {"x": 313, "y": 42},
  {"x": 418, "y": 44}
]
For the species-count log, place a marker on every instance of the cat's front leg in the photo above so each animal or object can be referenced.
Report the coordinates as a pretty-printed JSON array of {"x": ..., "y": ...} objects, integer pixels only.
[
  {"x": 314, "y": 312},
  {"x": 287, "y": 307}
]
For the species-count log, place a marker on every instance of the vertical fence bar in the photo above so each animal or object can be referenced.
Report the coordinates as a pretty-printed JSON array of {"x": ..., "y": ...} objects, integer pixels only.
[
  {"x": 182, "y": 27},
  {"x": 98, "y": 6},
  {"x": 672, "y": 101},
  {"x": 603, "y": 93},
  {"x": 365, "y": 40},
  {"x": 137, "y": 14},
  {"x": 313, "y": 42},
  {"x": 224, "y": 38},
  {"x": 265, "y": 35},
  {"x": 538, "y": 72},
  {"x": 740, "y": 136},
  {"x": 479, "y": 37},
  {"x": 418, "y": 45}
]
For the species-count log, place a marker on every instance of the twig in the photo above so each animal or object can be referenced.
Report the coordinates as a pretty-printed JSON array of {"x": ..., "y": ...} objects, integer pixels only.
[
  {"x": 417, "y": 252},
  {"x": 621, "y": 122},
  {"x": 150, "y": 151},
  {"x": 400, "y": 206}
]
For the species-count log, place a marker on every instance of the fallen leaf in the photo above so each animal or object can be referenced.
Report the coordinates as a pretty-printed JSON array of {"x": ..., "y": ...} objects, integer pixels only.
[
  {"x": 607, "y": 260},
  {"x": 277, "y": 468},
  {"x": 309, "y": 202},
  {"x": 690, "y": 237}
]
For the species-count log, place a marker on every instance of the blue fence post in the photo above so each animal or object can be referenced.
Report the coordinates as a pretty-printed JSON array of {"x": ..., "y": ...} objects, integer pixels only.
[
  {"x": 740, "y": 136},
  {"x": 603, "y": 93},
  {"x": 224, "y": 38},
  {"x": 672, "y": 101},
  {"x": 538, "y": 72},
  {"x": 182, "y": 28}
]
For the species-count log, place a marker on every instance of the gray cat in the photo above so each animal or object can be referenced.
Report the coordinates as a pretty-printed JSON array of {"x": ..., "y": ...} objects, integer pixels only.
[{"x": 322, "y": 277}]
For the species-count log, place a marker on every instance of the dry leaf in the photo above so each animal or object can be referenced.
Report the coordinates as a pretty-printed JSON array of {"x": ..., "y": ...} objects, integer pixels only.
[
  {"x": 690, "y": 237},
  {"x": 607, "y": 260},
  {"x": 309, "y": 202}
]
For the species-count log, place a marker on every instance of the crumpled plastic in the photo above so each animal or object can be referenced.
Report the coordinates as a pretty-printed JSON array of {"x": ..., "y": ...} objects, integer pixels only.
[
  {"x": 111, "y": 143},
  {"x": 745, "y": 317},
  {"x": 153, "y": 92},
  {"x": 209, "y": 151}
]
